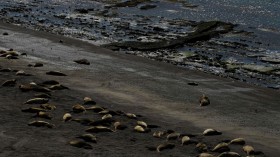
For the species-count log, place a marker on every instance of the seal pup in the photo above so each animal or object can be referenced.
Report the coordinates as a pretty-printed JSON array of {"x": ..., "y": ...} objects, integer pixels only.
[
  {"x": 97, "y": 129},
  {"x": 185, "y": 140},
  {"x": 221, "y": 147},
  {"x": 131, "y": 115},
  {"x": 229, "y": 154},
  {"x": 40, "y": 123},
  {"x": 42, "y": 95},
  {"x": 210, "y": 132},
  {"x": 22, "y": 73},
  {"x": 88, "y": 138},
  {"x": 165, "y": 146},
  {"x": 50, "y": 82},
  {"x": 204, "y": 100},
  {"x": 42, "y": 114},
  {"x": 37, "y": 101},
  {"x": 119, "y": 126},
  {"x": 95, "y": 108},
  {"x": 55, "y": 73},
  {"x": 89, "y": 101},
  {"x": 78, "y": 108},
  {"x": 80, "y": 144},
  {"x": 48, "y": 106},
  {"x": 9, "y": 83},
  {"x": 67, "y": 117},
  {"x": 38, "y": 65},
  {"x": 249, "y": 150}
]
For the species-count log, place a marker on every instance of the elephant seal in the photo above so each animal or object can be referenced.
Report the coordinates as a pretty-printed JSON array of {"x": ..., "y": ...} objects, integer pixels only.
[
  {"x": 210, "y": 132},
  {"x": 140, "y": 129},
  {"x": 9, "y": 83},
  {"x": 88, "y": 138},
  {"x": 50, "y": 82},
  {"x": 58, "y": 87},
  {"x": 204, "y": 100},
  {"x": 119, "y": 126},
  {"x": 221, "y": 147},
  {"x": 173, "y": 136},
  {"x": 205, "y": 155},
  {"x": 131, "y": 115},
  {"x": 201, "y": 147},
  {"x": 42, "y": 95},
  {"x": 22, "y": 73},
  {"x": 142, "y": 123},
  {"x": 67, "y": 117},
  {"x": 107, "y": 116},
  {"x": 33, "y": 110},
  {"x": 83, "y": 121},
  {"x": 80, "y": 144},
  {"x": 229, "y": 154},
  {"x": 40, "y": 123},
  {"x": 37, "y": 101},
  {"x": 48, "y": 106},
  {"x": 159, "y": 134},
  {"x": 97, "y": 129},
  {"x": 42, "y": 114},
  {"x": 185, "y": 140},
  {"x": 78, "y": 108},
  {"x": 239, "y": 141},
  {"x": 95, "y": 108},
  {"x": 165, "y": 146},
  {"x": 249, "y": 150}
]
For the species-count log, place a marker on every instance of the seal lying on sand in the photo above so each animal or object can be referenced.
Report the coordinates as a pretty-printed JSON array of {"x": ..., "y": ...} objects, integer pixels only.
[
  {"x": 204, "y": 101},
  {"x": 80, "y": 144},
  {"x": 40, "y": 123}
]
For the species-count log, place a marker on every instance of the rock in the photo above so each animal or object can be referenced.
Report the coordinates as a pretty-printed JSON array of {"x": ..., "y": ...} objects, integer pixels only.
[
  {"x": 55, "y": 73},
  {"x": 270, "y": 60},
  {"x": 147, "y": 6},
  {"x": 82, "y": 61},
  {"x": 38, "y": 64},
  {"x": 259, "y": 68}
]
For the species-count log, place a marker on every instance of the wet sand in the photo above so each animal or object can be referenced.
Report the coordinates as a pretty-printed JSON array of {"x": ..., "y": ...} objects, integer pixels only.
[{"x": 157, "y": 91}]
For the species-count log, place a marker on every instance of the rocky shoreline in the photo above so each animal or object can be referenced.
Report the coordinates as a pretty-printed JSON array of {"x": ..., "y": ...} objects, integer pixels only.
[{"x": 216, "y": 47}]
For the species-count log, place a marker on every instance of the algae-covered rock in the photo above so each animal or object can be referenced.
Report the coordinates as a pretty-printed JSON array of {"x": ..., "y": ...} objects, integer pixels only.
[{"x": 259, "y": 68}]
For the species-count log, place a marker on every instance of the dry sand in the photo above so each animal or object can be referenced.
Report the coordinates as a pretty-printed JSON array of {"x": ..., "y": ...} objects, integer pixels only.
[{"x": 157, "y": 91}]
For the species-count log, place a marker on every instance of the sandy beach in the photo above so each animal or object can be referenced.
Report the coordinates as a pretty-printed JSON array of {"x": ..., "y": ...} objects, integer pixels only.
[{"x": 157, "y": 92}]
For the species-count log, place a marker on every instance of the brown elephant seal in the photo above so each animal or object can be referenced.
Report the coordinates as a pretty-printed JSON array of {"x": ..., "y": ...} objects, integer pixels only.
[
  {"x": 211, "y": 132},
  {"x": 164, "y": 146},
  {"x": 221, "y": 147},
  {"x": 37, "y": 101},
  {"x": 80, "y": 144},
  {"x": 82, "y": 61},
  {"x": 33, "y": 110},
  {"x": 204, "y": 100},
  {"x": 9, "y": 83},
  {"x": 238, "y": 141},
  {"x": 48, "y": 106},
  {"x": 50, "y": 82},
  {"x": 83, "y": 121},
  {"x": 201, "y": 147},
  {"x": 159, "y": 134},
  {"x": 88, "y": 138},
  {"x": 205, "y": 155},
  {"x": 249, "y": 150},
  {"x": 40, "y": 123},
  {"x": 44, "y": 115},
  {"x": 38, "y": 65},
  {"x": 229, "y": 154},
  {"x": 22, "y": 73},
  {"x": 119, "y": 126},
  {"x": 55, "y": 73},
  {"x": 67, "y": 117},
  {"x": 78, "y": 108}
]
